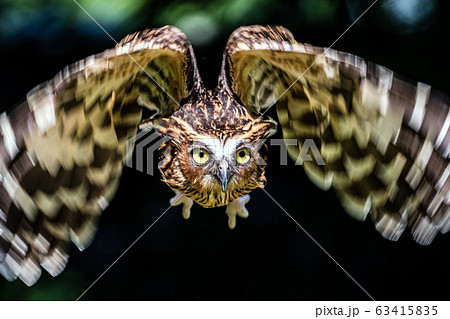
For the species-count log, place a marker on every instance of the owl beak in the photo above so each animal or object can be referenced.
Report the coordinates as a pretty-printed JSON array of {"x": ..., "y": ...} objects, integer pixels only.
[{"x": 223, "y": 176}]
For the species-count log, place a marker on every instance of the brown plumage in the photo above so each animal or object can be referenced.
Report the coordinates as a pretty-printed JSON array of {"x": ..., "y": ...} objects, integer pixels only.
[
  {"x": 385, "y": 142},
  {"x": 217, "y": 117}
]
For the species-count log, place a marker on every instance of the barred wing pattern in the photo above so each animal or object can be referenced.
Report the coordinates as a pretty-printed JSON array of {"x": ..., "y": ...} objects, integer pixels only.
[
  {"x": 385, "y": 142},
  {"x": 63, "y": 149}
]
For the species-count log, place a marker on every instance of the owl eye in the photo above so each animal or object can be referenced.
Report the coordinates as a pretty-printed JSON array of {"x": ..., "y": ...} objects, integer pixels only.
[
  {"x": 243, "y": 156},
  {"x": 200, "y": 156}
]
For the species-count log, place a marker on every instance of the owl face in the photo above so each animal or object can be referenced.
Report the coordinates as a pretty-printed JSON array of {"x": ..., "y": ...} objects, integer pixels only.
[
  {"x": 219, "y": 163},
  {"x": 213, "y": 170},
  {"x": 209, "y": 162}
]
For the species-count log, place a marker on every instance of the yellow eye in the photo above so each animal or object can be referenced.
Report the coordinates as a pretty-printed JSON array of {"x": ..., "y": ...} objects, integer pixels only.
[
  {"x": 243, "y": 156},
  {"x": 200, "y": 156}
]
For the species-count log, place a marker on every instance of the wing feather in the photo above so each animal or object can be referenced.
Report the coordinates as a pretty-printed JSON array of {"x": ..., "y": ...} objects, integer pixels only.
[
  {"x": 62, "y": 150},
  {"x": 385, "y": 142}
]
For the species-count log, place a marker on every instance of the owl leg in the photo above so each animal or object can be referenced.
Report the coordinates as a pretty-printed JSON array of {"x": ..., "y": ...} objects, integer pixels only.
[
  {"x": 237, "y": 207},
  {"x": 181, "y": 199}
]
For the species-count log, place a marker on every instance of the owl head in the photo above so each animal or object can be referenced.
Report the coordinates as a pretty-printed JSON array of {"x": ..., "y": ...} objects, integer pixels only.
[{"x": 215, "y": 158}]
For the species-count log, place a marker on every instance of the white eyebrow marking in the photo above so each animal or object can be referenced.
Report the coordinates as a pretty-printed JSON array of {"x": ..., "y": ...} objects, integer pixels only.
[{"x": 221, "y": 149}]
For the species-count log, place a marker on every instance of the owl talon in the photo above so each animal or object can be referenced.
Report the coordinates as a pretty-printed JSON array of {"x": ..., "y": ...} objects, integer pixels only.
[
  {"x": 237, "y": 207},
  {"x": 181, "y": 199}
]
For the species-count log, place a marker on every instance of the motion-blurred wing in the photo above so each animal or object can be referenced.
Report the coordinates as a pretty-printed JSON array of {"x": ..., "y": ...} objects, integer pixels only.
[
  {"x": 63, "y": 149},
  {"x": 384, "y": 141}
]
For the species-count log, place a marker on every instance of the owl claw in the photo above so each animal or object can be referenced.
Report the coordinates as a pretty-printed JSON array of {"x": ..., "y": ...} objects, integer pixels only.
[
  {"x": 181, "y": 199},
  {"x": 237, "y": 207}
]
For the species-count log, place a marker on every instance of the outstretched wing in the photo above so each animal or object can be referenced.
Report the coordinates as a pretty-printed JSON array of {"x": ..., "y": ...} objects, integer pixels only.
[
  {"x": 62, "y": 150},
  {"x": 385, "y": 142}
]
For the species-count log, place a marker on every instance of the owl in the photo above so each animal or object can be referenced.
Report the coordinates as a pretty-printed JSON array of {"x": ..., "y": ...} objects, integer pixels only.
[{"x": 384, "y": 143}]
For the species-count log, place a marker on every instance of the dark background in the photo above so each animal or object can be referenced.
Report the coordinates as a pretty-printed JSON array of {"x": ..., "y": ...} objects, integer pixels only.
[{"x": 267, "y": 256}]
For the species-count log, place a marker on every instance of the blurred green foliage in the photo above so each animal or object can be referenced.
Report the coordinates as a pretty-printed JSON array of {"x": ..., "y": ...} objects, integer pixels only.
[
  {"x": 111, "y": 11},
  {"x": 67, "y": 288},
  {"x": 321, "y": 12},
  {"x": 202, "y": 21}
]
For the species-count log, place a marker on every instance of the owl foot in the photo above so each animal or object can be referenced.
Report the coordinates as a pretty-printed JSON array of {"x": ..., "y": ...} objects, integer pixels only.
[
  {"x": 181, "y": 199},
  {"x": 237, "y": 207}
]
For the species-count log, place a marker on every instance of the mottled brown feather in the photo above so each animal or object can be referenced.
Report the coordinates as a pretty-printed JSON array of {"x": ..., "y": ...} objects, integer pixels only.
[
  {"x": 385, "y": 142},
  {"x": 62, "y": 150}
]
